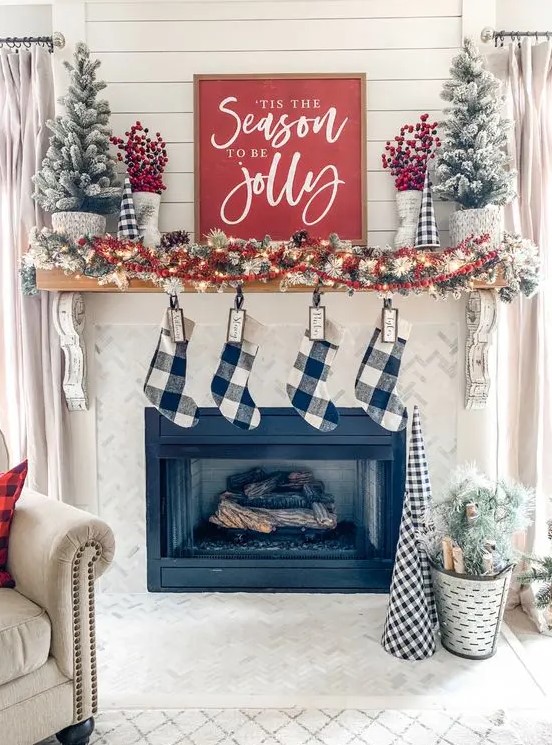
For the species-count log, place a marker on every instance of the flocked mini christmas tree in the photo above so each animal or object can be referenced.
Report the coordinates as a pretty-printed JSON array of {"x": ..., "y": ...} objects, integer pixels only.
[
  {"x": 78, "y": 172},
  {"x": 472, "y": 164}
]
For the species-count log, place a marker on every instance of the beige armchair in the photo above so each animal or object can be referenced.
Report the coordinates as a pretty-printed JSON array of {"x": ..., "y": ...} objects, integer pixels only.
[{"x": 48, "y": 677}]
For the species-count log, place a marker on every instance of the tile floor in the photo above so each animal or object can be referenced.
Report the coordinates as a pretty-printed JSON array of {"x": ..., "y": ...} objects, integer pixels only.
[
  {"x": 295, "y": 650},
  {"x": 260, "y": 669}
]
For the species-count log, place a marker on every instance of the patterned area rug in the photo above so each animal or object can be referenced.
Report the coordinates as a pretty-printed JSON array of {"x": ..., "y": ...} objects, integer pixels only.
[{"x": 319, "y": 727}]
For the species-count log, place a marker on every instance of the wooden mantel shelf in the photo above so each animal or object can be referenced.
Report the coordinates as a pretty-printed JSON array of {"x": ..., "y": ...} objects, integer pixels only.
[{"x": 57, "y": 280}]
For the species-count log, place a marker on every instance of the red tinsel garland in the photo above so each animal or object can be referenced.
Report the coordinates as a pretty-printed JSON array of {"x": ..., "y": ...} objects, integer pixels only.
[{"x": 286, "y": 259}]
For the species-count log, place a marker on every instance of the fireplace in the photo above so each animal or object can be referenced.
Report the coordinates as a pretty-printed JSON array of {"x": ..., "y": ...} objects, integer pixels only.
[{"x": 279, "y": 508}]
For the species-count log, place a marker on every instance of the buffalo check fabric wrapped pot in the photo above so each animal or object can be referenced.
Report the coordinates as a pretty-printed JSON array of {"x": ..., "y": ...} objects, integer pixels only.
[{"x": 411, "y": 614}]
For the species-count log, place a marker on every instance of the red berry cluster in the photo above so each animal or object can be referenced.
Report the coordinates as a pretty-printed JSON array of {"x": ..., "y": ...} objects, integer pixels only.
[
  {"x": 145, "y": 158},
  {"x": 406, "y": 156}
]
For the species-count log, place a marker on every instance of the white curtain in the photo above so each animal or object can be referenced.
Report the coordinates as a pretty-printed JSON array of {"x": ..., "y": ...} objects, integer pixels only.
[
  {"x": 524, "y": 388},
  {"x": 31, "y": 409}
]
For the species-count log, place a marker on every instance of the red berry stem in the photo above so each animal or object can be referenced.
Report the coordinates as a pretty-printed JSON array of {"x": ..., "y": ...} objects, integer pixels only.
[
  {"x": 145, "y": 157},
  {"x": 407, "y": 155}
]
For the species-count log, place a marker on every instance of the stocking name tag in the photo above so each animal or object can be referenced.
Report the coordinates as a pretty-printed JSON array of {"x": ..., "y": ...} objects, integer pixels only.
[
  {"x": 317, "y": 323},
  {"x": 176, "y": 324},
  {"x": 389, "y": 321},
  {"x": 236, "y": 324}
]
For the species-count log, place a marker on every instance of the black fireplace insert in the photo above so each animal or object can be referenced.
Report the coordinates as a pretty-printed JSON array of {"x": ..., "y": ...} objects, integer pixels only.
[{"x": 283, "y": 507}]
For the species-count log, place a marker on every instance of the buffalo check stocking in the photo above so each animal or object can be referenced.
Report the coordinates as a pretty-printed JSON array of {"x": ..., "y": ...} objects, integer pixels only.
[
  {"x": 166, "y": 378},
  {"x": 410, "y": 622},
  {"x": 230, "y": 384},
  {"x": 306, "y": 386},
  {"x": 375, "y": 386}
]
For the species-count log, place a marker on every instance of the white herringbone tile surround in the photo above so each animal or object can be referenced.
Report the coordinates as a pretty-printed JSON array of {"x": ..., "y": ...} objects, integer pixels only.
[
  {"x": 285, "y": 650},
  {"x": 122, "y": 354}
]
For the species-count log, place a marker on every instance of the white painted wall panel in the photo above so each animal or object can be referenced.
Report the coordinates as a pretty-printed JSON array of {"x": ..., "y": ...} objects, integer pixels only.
[
  {"x": 267, "y": 10},
  {"x": 378, "y": 64},
  {"x": 278, "y": 35}
]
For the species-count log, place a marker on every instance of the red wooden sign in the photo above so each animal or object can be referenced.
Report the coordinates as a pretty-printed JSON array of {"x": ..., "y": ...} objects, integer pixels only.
[{"x": 279, "y": 153}]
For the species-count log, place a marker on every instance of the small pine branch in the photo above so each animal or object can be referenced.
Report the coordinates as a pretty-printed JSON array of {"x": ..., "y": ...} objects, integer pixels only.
[
  {"x": 472, "y": 165},
  {"x": 502, "y": 510},
  {"x": 540, "y": 572},
  {"x": 78, "y": 172},
  {"x": 543, "y": 598}
]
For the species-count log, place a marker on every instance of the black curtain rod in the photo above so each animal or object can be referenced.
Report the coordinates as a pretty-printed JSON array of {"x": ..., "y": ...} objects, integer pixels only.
[
  {"x": 489, "y": 34},
  {"x": 24, "y": 42}
]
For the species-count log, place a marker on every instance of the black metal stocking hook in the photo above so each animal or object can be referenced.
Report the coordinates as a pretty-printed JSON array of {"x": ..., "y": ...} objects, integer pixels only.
[
  {"x": 387, "y": 303},
  {"x": 238, "y": 302},
  {"x": 173, "y": 300},
  {"x": 316, "y": 297}
]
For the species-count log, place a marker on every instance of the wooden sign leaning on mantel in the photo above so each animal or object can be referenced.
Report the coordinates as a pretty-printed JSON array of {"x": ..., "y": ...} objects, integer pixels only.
[{"x": 274, "y": 151}]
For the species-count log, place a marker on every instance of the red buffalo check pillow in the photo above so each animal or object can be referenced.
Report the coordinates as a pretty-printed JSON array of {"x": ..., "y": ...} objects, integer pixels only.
[{"x": 11, "y": 484}]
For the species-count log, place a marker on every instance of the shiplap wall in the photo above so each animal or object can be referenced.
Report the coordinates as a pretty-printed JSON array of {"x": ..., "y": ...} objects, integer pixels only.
[{"x": 150, "y": 52}]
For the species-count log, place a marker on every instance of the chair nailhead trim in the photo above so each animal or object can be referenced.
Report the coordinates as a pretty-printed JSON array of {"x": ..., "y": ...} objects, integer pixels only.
[{"x": 78, "y": 619}]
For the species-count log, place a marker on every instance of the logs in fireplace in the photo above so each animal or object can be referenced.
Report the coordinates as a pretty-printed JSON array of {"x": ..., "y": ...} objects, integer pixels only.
[{"x": 263, "y": 503}]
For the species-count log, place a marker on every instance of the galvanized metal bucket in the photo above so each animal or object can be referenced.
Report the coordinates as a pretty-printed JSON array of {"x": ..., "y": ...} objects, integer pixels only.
[{"x": 470, "y": 610}]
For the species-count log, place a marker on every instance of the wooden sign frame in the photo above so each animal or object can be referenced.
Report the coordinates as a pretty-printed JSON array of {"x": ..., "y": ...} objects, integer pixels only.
[{"x": 360, "y": 216}]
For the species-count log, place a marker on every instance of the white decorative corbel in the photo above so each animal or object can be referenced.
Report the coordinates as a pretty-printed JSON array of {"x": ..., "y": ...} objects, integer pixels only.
[
  {"x": 481, "y": 316},
  {"x": 68, "y": 311}
]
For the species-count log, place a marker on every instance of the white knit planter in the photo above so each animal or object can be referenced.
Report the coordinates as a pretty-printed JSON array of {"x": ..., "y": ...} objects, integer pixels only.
[
  {"x": 77, "y": 224},
  {"x": 146, "y": 206},
  {"x": 464, "y": 223},
  {"x": 408, "y": 208}
]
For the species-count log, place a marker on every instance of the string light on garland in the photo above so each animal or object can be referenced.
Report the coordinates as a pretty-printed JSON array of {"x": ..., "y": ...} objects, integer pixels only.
[{"x": 301, "y": 261}]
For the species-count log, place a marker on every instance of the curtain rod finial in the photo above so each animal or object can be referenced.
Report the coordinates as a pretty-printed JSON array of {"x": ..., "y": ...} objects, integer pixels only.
[
  {"x": 58, "y": 39},
  {"x": 487, "y": 34}
]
